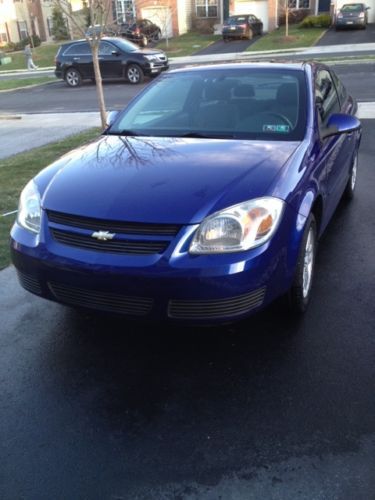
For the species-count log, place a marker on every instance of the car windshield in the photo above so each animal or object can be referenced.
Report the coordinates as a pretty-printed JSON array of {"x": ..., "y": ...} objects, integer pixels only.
[
  {"x": 354, "y": 7},
  {"x": 262, "y": 103}
]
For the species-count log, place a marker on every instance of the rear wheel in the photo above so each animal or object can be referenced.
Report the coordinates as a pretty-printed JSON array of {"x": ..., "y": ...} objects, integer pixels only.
[
  {"x": 73, "y": 77},
  {"x": 134, "y": 74},
  {"x": 300, "y": 292}
]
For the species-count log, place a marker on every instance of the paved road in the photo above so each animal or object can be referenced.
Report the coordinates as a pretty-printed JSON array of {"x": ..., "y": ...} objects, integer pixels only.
[
  {"x": 57, "y": 97},
  {"x": 102, "y": 409}
]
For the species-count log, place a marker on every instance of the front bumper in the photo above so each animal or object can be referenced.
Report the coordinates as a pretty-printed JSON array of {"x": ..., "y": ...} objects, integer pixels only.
[
  {"x": 350, "y": 23},
  {"x": 174, "y": 285}
]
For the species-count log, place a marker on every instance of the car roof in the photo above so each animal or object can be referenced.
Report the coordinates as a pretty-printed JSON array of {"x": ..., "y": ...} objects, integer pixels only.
[{"x": 250, "y": 65}]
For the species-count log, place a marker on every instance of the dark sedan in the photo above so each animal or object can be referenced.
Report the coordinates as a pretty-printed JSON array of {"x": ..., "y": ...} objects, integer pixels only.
[
  {"x": 352, "y": 15},
  {"x": 118, "y": 58},
  {"x": 203, "y": 201},
  {"x": 141, "y": 31},
  {"x": 242, "y": 26}
]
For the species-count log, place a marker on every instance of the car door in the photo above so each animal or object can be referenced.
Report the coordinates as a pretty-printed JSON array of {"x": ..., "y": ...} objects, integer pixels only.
[
  {"x": 110, "y": 60},
  {"x": 335, "y": 151},
  {"x": 79, "y": 56}
]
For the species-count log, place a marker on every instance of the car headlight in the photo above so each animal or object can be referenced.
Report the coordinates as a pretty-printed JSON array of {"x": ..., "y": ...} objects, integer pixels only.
[
  {"x": 29, "y": 210},
  {"x": 151, "y": 58},
  {"x": 239, "y": 227}
]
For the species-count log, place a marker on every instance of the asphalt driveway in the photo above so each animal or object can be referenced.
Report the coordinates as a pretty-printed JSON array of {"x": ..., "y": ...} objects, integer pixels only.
[
  {"x": 221, "y": 47},
  {"x": 351, "y": 36}
]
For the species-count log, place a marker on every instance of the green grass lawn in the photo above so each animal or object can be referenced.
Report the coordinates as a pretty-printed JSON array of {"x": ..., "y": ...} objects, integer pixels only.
[
  {"x": 187, "y": 44},
  {"x": 276, "y": 40},
  {"x": 25, "y": 82},
  {"x": 43, "y": 56},
  {"x": 17, "y": 170}
]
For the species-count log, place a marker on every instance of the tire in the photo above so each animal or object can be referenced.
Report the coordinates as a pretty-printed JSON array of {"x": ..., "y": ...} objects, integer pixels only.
[
  {"x": 73, "y": 77},
  {"x": 155, "y": 37},
  {"x": 300, "y": 292},
  {"x": 134, "y": 74},
  {"x": 352, "y": 182}
]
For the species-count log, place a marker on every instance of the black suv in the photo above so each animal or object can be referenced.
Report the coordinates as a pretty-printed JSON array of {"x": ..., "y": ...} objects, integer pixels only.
[
  {"x": 118, "y": 58},
  {"x": 141, "y": 31}
]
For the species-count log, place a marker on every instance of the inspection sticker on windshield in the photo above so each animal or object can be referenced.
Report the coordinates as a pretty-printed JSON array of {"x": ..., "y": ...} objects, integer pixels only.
[{"x": 281, "y": 129}]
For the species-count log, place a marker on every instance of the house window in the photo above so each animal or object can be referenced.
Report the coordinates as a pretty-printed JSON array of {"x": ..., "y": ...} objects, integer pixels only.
[
  {"x": 123, "y": 10},
  {"x": 206, "y": 8},
  {"x": 299, "y": 4},
  {"x": 22, "y": 27},
  {"x": 3, "y": 34}
]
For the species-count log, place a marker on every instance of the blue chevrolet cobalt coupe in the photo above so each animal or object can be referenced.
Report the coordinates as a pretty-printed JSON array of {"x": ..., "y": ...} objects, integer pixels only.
[{"x": 203, "y": 200}]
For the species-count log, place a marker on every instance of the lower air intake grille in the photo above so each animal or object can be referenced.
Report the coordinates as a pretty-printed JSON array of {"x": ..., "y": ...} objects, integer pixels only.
[
  {"x": 220, "y": 308},
  {"x": 104, "y": 301},
  {"x": 29, "y": 283}
]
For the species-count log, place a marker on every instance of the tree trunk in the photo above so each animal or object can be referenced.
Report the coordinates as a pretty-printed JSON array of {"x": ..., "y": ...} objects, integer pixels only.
[{"x": 99, "y": 85}]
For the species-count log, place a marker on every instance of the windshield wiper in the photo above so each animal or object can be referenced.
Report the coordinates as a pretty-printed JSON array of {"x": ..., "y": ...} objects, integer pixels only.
[
  {"x": 124, "y": 132},
  {"x": 201, "y": 135}
]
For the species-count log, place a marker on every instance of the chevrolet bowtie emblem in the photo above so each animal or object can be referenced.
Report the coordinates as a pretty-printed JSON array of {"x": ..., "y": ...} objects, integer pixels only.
[{"x": 103, "y": 235}]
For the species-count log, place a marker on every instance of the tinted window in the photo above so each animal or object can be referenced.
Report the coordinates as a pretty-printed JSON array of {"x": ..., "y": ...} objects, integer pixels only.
[
  {"x": 250, "y": 103},
  {"x": 78, "y": 49},
  {"x": 106, "y": 48}
]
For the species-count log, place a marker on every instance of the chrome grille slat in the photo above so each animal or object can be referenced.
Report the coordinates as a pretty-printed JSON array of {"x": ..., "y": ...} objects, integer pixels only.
[
  {"x": 220, "y": 308},
  {"x": 93, "y": 224},
  {"x": 105, "y": 301},
  {"x": 112, "y": 246}
]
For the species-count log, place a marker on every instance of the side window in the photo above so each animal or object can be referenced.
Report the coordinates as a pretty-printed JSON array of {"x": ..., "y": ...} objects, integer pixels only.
[
  {"x": 341, "y": 90},
  {"x": 326, "y": 98},
  {"x": 106, "y": 49},
  {"x": 79, "y": 49}
]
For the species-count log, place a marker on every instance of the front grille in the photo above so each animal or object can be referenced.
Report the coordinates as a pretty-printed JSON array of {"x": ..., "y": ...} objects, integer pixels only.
[
  {"x": 112, "y": 246},
  {"x": 219, "y": 308},
  {"x": 113, "y": 226},
  {"x": 129, "y": 237},
  {"x": 104, "y": 301}
]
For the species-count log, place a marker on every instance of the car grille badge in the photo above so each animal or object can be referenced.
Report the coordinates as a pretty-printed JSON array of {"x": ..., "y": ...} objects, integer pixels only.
[{"x": 103, "y": 235}]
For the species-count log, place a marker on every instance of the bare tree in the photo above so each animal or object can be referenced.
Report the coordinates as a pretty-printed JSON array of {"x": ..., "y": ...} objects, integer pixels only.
[{"x": 99, "y": 11}]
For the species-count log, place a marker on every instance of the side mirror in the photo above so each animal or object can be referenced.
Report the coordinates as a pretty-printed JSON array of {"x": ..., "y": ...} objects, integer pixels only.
[
  {"x": 340, "y": 123},
  {"x": 111, "y": 117}
]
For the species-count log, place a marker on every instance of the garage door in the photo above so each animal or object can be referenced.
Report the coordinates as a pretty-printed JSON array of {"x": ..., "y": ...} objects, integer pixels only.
[
  {"x": 258, "y": 8},
  {"x": 162, "y": 16}
]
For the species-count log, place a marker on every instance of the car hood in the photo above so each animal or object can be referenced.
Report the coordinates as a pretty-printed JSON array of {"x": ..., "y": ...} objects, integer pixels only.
[{"x": 160, "y": 180}]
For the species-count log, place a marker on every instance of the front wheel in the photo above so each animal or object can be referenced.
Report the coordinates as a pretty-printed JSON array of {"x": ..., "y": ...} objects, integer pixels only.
[
  {"x": 300, "y": 292},
  {"x": 134, "y": 74},
  {"x": 73, "y": 77}
]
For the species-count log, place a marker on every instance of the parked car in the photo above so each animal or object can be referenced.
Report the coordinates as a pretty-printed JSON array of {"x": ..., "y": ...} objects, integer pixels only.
[
  {"x": 203, "y": 201},
  {"x": 352, "y": 15},
  {"x": 118, "y": 58},
  {"x": 242, "y": 26},
  {"x": 141, "y": 31}
]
